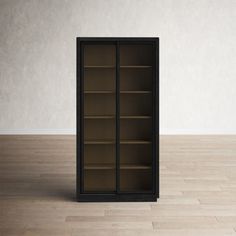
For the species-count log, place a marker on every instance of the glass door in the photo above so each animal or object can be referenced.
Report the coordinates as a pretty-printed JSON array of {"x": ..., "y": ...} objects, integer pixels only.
[
  {"x": 136, "y": 75},
  {"x": 99, "y": 117}
]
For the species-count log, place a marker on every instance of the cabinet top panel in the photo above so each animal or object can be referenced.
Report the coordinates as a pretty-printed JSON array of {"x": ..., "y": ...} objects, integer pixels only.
[{"x": 152, "y": 39}]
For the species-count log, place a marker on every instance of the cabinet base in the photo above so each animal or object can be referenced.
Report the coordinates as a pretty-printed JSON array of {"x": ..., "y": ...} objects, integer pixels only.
[{"x": 117, "y": 198}]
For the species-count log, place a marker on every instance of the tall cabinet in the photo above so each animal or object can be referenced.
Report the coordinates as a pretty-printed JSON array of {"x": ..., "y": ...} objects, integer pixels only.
[{"x": 117, "y": 119}]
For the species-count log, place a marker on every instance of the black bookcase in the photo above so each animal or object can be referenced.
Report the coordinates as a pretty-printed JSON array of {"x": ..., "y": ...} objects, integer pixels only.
[{"x": 117, "y": 119}]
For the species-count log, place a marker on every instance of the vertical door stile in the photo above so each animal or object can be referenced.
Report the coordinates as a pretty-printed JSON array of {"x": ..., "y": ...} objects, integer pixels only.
[
  {"x": 117, "y": 117},
  {"x": 78, "y": 116},
  {"x": 154, "y": 119},
  {"x": 157, "y": 172},
  {"x": 82, "y": 118}
]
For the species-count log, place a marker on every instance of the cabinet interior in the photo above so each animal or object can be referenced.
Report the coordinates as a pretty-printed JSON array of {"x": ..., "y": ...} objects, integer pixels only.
[{"x": 100, "y": 117}]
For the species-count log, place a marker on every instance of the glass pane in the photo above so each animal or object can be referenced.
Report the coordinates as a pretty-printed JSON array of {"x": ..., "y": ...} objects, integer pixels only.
[
  {"x": 99, "y": 118},
  {"x": 136, "y": 118}
]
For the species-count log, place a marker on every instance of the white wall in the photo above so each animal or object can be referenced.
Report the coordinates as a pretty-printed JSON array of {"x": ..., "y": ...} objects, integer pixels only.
[{"x": 198, "y": 57}]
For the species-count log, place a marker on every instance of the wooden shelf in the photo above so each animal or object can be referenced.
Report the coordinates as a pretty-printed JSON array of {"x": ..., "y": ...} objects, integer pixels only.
[
  {"x": 113, "y": 66},
  {"x": 97, "y": 190},
  {"x": 136, "y": 191},
  {"x": 122, "y": 91},
  {"x": 135, "y": 167},
  {"x": 99, "y": 91},
  {"x": 121, "y": 117},
  {"x": 136, "y": 66},
  {"x": 135, "y": 117},
  {"x": 99, "y": 117},
  {"x": 99, "y": 166},
  {"x": 135, "y": 92},
  {"x": 100, "y": 67},
  {"x": 135, "y": 142},
  {"x": 99, "y": 142},
  {"x": 113, "y": 142}
]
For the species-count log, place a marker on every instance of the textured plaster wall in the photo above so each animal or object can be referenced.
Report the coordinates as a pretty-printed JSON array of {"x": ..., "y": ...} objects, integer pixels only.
[{"x": 198, "y": 56}]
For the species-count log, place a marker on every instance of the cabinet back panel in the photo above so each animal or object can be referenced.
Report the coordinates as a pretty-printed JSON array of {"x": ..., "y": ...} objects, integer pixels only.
[
  {"x": 136, "y": 104},
  {"x": 136, "y": 55},
  {"x": 136, "y": 129},
  {"x": 136, "y": 180},
  {"x": 99, "y": 104},
  {"x": 136, "y": 154},
  {"x": 101, "y": 154},
  {"x": 99, "y": 79},
  {"x": 99, "y": 55},
  {"x": 99, "y": 180},
  {"x": 101, "y": 129},
  {"x": 136, "y": 79}
]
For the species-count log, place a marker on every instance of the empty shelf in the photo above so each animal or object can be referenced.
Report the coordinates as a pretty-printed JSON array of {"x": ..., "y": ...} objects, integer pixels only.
[
  {"x": 135, "y": 91},
  {"x": 136, "y": 66},
  {"x": 99, "y": 117},
  {"x": 135, "y": 117},
  {"x": 98, "y": 91},
  {"x": 99, "y": 67},
  {"x": 99, "y": 142},
  {"x": 98, "y": 166},
  {"x": 113, "y": 117},
  {"x": 122, "y": 92},
  {"x": 136, "y": 191},
  {"x": 102, "y": 66},
  {"x": 135, "y": 167},
  {"x": 113, "y": 66},
  {"x": 135, "y": 142},
  {"x": 113, "y": 142}
]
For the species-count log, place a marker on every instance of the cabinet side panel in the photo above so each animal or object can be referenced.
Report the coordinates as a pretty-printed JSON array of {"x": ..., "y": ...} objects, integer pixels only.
[
  {"x": 157, "y": 117},
  {"x": 117, "y": 117},
  {"x": 78, "y": 115}
]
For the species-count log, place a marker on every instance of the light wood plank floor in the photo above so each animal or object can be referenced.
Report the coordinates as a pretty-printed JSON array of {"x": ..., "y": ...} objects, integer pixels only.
[{"x": 198, "y": 191}]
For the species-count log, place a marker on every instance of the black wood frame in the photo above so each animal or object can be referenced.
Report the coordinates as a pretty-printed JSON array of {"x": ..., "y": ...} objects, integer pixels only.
[{"x": 117, "y": 195}]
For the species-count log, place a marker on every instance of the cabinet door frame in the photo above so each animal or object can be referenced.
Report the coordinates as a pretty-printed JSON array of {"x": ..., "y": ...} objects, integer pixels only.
[
  {"x": 80, "y": 160},
  {"x": 153, "y": 44}
]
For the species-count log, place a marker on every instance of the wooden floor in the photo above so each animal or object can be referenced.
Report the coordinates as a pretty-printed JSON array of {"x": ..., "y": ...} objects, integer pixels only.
[{"x": 198, "y": 191}]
